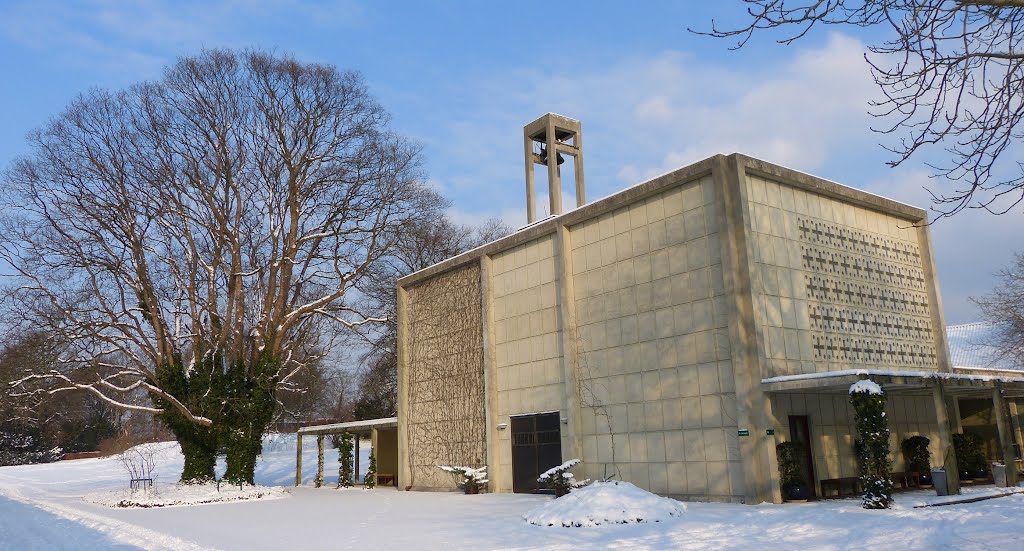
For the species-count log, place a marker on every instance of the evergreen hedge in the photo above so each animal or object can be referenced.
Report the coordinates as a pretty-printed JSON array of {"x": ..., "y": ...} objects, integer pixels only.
[
  {"x": 916, "y": 456},
  {"x": 790, "y": 457},
  {"x": 970, "y": 453},
  {"x": 868, "y": 402}
]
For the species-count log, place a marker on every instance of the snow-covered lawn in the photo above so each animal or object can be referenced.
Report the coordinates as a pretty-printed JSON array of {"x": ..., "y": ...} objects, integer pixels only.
[{"x": 41, "y": 507}]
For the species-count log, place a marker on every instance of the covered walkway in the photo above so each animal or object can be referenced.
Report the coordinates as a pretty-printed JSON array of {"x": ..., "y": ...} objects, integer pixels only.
[
  {"x": 383, "y": 435},
  {"x": 942, "y": 390}
]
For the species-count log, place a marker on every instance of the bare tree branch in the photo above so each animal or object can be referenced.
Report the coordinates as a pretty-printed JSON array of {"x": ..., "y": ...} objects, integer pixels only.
[{"x": 951, "y": 76}]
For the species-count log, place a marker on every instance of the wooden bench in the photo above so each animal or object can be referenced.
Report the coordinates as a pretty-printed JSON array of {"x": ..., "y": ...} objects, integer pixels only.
[
  {"x": 906, "y": 480},
  {"x": 385, "y": 479},
  {"x": 837, "y": 485}
]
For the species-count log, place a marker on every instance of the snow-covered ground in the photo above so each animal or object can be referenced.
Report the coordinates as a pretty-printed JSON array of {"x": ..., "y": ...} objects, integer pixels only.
[{"x": 41, "y": 507}]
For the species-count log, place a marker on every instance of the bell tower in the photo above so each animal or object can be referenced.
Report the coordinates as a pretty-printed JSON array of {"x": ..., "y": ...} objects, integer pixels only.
[{"x": 547, "y": 139}]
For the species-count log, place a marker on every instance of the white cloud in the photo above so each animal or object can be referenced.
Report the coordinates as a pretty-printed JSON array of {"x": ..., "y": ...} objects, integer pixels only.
[
  {"x": 644, "y": 116},
  {"x": 138, "y": 38}
]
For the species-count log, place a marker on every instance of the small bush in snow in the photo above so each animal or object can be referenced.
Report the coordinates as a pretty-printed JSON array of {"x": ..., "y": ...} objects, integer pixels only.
[
  {"x": 21, "y": 445},
  {"x": 371, "y": 473},
  {"x": 560, "y": 479},
  {"x": 470, "y": 480},
  {"x": 140, "y": 464},
  {"x": 868, "y": 402}
]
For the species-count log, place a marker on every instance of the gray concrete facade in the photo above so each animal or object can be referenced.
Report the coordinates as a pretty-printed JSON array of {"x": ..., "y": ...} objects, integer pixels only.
[{"x": 676, "y": 327}]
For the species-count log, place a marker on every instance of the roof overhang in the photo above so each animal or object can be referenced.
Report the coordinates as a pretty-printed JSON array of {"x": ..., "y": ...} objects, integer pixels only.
[
  {"x": 355, "y": 427},
  {"x": 903, "y": 382}
]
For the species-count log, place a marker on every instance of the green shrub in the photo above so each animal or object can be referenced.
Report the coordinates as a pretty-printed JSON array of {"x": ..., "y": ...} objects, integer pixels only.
[
  {"x": 371, "y": 473},
  {"x": 915, "y": 454},
  {"x": 970, "y": 453},
  {"x": 791, "y": 458},
  {"x": 868, "y": 403}
]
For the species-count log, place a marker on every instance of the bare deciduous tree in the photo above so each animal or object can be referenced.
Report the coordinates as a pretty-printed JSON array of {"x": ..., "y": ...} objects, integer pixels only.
[
  {"x": 425, "y": 244},
  {"x": 1004, "y": 308},
  {"x": 951, "y": 74},
  {"x": 200, "y": 237}
]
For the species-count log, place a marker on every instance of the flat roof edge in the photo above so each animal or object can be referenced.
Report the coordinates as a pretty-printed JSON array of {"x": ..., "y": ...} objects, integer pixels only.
[
  {"x": 833, "y": 189},
  {"x": 384, "y": 422},
  {"x": 781, "y": 174},
  {"x": 575, "y": 216}
]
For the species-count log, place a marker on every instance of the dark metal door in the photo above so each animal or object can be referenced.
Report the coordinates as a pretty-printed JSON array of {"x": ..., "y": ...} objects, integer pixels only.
[
  {"x": 800, "y": 431},
  {"x": 536, "y": 447}
]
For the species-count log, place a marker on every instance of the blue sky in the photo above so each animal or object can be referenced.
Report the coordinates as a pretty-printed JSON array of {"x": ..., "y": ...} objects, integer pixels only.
[{"x": 463, "y": 78}]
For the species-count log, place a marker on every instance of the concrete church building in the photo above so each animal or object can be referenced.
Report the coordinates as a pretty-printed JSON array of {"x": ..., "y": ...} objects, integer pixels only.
[{"x": 673, "y": 333}]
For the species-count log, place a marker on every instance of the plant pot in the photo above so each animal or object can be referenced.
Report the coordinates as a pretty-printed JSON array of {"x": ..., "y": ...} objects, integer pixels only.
[
  {"x": 796, "y": 491},
  {"x": 559, "y": 492},
  {"x": 470, "y": 490},
  {"x": 926, "y": 479}
]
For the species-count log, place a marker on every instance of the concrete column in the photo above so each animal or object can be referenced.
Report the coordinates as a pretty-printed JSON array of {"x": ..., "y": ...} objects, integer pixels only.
[
  {"x": 404, "y": 473},
  {"x": 373, "y": 453},
  {"x": 581, "y": 191},
  {"x": 931, "y": 277},
  {"x": 298, "y": 459},
  {"x": 753, "y": 406},
  {"x": 531, "y": 188},
  {"x": 554, "y": 178},
  {"x": 1018, "y": 432},
  {"x": 570, "y": 343},
  {"x": 947, "y": 455},
  {"x": 1005, "y": 435},
  {"x": 495, "y": 472},
  {"x": 355, "y": 472},
  {"x": 319, "y": 481},
  {"x": 955, "y": 421}
]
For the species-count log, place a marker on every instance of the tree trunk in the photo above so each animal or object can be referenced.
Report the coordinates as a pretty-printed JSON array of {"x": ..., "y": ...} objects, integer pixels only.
[
  {"x": 200, "y": 460},
  {"x": 249, "y": 410},
  {"x": 198, "y": 445},
  {"x": 243, "y": 447}
]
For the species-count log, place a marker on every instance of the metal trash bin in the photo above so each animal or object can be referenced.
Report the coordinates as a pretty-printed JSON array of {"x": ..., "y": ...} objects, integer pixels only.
[
  {"x": 939, "y": 482},
  {"x": 999, "y": 474}
]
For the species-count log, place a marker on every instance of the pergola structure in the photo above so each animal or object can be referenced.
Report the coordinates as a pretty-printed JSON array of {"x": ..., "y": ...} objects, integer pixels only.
[
  {"x": 383, "y": 441},
  {"x": 1003, "y": 389}
]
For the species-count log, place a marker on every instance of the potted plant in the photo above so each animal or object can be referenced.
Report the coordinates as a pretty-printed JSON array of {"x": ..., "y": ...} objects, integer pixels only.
[
  {"x": 970, "y": 457},
  {"x": 469, "y": 479},
  {"x": 560, "y": 479},
  {"x": 917, "y": 458},
  {"x": 791, "y": 471}
]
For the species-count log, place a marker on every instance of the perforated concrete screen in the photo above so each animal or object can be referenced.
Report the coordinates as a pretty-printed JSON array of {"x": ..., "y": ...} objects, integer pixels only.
[{"x": 842, "y": 286}]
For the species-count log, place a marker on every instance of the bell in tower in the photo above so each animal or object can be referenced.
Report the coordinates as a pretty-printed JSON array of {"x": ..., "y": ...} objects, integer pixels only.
[{"x": 551, "y": 137}]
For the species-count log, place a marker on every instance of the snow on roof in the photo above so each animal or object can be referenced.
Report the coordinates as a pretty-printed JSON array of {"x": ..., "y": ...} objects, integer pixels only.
[
  {"x": 385, "y": 422},
  {"x": 973, "y": 345}
]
